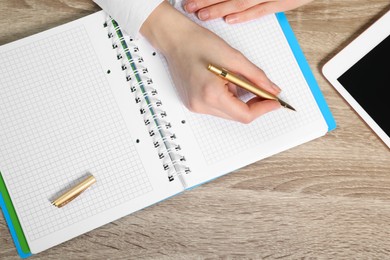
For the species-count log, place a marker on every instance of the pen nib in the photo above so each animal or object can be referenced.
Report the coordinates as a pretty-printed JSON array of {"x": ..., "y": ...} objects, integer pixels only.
[{"x": 284, "y": 104}]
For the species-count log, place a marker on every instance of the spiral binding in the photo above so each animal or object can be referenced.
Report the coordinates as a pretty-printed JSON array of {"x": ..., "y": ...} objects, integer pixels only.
[{"x": 151, "y": 108}]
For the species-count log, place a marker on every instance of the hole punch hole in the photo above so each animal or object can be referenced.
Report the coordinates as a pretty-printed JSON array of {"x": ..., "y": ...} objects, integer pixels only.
[
  {"x": 137, "y": 141},
  {"x": 154, "y": 53},
  {"x": 108, "y": 71},
  {"x": 183, "y": 121}
]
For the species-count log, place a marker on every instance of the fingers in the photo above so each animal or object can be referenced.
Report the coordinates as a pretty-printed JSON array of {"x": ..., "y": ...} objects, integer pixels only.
[
  {"x": 212, "y": 9},
  {"x": 233, "y": 89},
  {"x": 247, "y": 112},
  {"x": 229, "y": 104},
  {"x": 192, "y": 6},
  {"x": 254, "y": 74},
  {"x": 221, "y": 9},
  {"x": 217, "y": 99},
  {"x": 252, "y": 13},
  {"x": 243, "y": 112},
  {"x": 236, "y": 11},
  {"x": 231, "y": 108},
  {"x": 263, "y": 9}
]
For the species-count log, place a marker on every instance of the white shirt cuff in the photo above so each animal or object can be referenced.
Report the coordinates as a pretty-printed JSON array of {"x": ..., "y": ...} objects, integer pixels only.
[{"x": 130, "y": 14}]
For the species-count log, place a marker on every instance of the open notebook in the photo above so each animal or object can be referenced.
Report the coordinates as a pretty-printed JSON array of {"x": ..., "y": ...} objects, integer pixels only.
[{"x": 84, "y": 98}]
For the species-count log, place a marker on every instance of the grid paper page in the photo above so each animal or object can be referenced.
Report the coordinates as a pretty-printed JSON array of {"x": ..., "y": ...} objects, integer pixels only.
[
  {"x": 59, "y": 122},
  {"x": 263, "y": 42}
]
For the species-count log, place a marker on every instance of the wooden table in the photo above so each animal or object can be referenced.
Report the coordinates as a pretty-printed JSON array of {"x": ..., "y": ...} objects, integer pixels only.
[{"x": 329, "y": 198}]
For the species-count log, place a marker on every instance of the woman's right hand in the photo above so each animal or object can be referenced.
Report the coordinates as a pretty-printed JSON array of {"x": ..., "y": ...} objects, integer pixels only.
[{"x": 189, "y": 48}]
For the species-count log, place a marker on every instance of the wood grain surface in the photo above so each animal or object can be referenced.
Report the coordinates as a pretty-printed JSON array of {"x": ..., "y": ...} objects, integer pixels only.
[{"x": 326, "y": 199}]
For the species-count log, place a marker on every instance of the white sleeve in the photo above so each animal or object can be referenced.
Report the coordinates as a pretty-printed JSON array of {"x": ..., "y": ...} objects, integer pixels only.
[{"x": 130, "y": 14}]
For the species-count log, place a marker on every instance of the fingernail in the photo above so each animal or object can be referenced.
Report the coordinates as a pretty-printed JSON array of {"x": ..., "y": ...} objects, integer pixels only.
[
  {"x": 190, "y": 7},
  {"x": 231, "y": 19},
  {"x": 203, "y": 15}
]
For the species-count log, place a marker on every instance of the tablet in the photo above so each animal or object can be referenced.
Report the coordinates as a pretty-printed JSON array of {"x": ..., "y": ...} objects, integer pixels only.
[{"x": 361, "y": 74}]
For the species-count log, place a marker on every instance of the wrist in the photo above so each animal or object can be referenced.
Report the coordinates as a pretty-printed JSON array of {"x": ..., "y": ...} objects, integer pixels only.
[{"x": 166, "y": 27}]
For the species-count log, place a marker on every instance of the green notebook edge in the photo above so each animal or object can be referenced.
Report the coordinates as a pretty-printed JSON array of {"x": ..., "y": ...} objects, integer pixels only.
[{"x": 15, "y": 227}]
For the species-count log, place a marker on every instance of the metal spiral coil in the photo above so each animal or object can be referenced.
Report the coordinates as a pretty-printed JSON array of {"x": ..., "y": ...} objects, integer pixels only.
[{"x": 151, "y": 108}]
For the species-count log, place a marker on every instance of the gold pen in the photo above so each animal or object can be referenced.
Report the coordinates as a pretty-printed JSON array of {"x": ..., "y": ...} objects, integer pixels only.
[
  {"x": 74, "y": 192},
  {"x": 223, "y": 73}
]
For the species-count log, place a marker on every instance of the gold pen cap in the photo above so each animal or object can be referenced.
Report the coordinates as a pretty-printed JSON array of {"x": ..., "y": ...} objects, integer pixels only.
[{"x": 74, "y": 192}]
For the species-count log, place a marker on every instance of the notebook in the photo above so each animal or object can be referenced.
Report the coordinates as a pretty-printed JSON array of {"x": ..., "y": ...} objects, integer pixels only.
[{"x": 85, "y": 98}]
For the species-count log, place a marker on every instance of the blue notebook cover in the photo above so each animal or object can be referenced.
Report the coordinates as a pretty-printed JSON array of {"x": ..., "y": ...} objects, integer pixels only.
[
  {"x": 11, "y": 228},
  {"x": 306, "y": 71},
  {"x": 299, "y": 56}
]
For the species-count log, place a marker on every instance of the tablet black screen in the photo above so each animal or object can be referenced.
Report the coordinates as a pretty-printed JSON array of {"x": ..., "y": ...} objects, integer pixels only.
[{"x": 368, "y": 82}]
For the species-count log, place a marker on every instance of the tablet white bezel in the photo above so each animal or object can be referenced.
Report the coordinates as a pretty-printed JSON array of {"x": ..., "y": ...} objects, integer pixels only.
[{"x": 351, "y": 54}]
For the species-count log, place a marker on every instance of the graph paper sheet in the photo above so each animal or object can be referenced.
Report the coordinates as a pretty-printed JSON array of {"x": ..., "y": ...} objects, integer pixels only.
[{"x": 61, "y": 120}]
